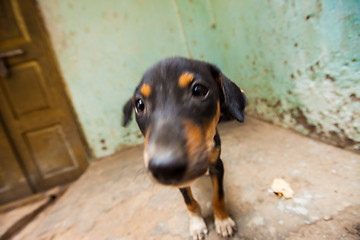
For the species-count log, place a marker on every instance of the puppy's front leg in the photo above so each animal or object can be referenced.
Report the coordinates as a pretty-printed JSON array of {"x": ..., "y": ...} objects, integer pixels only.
[
  {"x": 198, "y": 229},
  {"x": 224, "y": 225}
]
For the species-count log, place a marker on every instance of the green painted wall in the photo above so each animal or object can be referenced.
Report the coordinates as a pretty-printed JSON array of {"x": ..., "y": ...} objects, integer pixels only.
[{"x": 299, "y": 61}]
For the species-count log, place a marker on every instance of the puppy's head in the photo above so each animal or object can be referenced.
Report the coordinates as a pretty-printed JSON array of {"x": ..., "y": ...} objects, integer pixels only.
[{"x": 177, "y": 105}]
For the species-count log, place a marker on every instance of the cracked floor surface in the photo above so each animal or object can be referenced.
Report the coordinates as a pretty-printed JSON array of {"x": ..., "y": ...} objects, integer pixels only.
[{"x": 115, "y": 200}]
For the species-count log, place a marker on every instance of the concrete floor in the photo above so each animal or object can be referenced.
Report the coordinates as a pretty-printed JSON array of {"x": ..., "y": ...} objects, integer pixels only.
[
  {"x": 115, "y": 200},
  {"x": 9, "y": 218}
]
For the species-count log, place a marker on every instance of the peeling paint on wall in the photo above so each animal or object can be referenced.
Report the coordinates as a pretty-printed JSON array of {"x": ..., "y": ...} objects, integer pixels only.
[{"x": 298, "y": 61}]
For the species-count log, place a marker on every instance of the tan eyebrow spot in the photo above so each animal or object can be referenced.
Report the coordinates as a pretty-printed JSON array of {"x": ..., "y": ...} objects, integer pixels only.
[
  {"x": 185, "y": 79},
  {"x": 145, "y": 90}
]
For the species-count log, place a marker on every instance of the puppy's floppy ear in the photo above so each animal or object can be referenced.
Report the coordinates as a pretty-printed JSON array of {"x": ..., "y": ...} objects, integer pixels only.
[
  {"x": 127, "y": 111},
  {"x": 232, "y": 98}
]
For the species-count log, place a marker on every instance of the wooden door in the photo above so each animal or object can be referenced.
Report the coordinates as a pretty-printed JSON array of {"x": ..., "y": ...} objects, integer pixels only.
[
  {"x": 13, "y": 183},
  {"x": 39, "y": 132}
]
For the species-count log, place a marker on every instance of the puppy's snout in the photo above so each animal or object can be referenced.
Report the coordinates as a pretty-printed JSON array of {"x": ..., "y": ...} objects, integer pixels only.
[{"x": 167, "y": 170}]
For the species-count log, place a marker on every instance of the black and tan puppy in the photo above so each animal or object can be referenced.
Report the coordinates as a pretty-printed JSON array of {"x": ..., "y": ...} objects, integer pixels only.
[{"x": 178, "y": 104}]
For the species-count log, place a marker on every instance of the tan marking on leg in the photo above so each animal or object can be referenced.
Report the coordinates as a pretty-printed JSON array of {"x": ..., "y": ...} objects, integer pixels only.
[
  {"x": 145, "y": 90},
  {"x": 224, "y": 225},
  {"x": 185, "y": 79},
  {"x": 194, "y": 207},
  {"x": 197, "y": 226},
  {"x": 218, "y": 204}
]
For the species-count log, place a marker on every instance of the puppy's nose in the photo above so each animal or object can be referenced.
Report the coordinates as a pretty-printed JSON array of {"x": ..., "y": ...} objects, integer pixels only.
[{"x": 167, "y": 171}]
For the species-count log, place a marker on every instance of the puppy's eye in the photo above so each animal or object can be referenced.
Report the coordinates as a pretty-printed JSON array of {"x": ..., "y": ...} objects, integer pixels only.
[
  {"x": 139, "y": 106},
  {"x": 199, "y": 90}
]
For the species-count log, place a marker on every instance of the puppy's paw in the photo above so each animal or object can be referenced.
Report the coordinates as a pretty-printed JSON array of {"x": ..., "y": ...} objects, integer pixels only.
[
  {"x": 198, "y": 229},
  {"x": 225, "y": 227}
]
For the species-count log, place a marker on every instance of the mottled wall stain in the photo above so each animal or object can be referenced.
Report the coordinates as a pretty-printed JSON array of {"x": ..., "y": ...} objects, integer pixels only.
[{"x": 298, "y": 61}]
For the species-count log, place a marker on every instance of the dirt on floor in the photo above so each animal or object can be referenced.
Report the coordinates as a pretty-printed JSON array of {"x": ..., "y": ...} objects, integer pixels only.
[{"x": 115, "y": 200}]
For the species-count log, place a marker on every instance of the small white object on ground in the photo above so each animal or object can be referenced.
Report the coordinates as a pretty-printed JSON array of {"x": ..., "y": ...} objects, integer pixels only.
[{"x": 282, "y": 188}]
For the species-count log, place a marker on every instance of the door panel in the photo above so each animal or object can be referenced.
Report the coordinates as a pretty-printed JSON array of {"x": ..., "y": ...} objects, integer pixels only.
[
  {"x": 22, "y": 100},
  {"x": 51, "y": 143},
  {"x": 13, "y": 28},
  {"x": 13, "y": 183},
  {"x": 33, "y": 103}
]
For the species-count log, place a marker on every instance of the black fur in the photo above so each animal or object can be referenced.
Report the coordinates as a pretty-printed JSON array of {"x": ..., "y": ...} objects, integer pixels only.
[
  {"x": 174, "y": 120},
  {"x": 233, "y": 100},
  {"x": 127, "y": 111}
]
